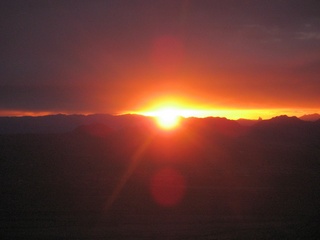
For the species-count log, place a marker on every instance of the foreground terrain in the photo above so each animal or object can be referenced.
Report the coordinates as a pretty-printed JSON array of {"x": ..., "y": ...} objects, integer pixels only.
[{"x": 208, "y": 179}]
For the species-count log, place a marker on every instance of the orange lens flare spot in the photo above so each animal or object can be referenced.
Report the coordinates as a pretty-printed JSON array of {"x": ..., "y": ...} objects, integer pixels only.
[{"x": 168, "y": 187}]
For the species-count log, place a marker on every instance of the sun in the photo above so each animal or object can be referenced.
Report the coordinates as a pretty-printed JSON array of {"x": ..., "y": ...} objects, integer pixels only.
[
  {"x": 167, "y": 118},
  {"x": 169, "y": 112}
]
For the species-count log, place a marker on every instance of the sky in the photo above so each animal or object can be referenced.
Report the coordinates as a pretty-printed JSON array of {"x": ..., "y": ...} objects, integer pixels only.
[{"x": 131, "y": 55}]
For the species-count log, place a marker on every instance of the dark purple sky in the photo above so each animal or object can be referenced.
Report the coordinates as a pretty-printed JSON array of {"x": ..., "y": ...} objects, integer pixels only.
[{"x": 115, "y": 56}]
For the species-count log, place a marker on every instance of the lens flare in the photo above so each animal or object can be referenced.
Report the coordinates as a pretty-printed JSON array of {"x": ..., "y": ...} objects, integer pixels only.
[{"x": 168, "y": 187}]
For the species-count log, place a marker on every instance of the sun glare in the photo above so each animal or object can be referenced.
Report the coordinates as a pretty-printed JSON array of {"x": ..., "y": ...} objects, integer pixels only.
[
  {"x": 169, "y": 111},
  {"x": 167, "y": 118}
]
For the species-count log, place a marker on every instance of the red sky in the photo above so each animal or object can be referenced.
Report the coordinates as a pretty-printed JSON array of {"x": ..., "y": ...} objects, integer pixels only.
[{"x": 126, "y": 56}]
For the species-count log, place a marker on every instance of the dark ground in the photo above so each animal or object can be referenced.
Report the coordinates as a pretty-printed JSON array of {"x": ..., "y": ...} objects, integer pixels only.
[{"x": 96, "y": 182}]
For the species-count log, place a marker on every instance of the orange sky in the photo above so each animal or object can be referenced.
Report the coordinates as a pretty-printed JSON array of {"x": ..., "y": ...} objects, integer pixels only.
[{"x": 235, "y": 59}]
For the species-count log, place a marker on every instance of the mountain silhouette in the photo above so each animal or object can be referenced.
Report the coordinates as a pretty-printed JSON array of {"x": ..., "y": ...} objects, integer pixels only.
[
  {"x": 286, "y": 128},
  {"x": 95, "y": 129},
  {"x": 64, "y": 123},
  {"x": 310, "y": 117}
]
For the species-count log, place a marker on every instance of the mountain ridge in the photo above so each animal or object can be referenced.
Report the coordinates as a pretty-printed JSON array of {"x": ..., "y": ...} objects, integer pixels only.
[{"x": 62, "y": 123}]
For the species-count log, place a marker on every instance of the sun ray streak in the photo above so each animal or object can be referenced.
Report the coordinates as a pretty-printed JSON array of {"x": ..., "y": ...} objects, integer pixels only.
[{"x": 129, "y": 171}]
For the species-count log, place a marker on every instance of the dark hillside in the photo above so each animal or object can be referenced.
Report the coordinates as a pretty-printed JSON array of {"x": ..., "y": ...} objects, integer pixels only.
[{"x": 209, "y": 178}]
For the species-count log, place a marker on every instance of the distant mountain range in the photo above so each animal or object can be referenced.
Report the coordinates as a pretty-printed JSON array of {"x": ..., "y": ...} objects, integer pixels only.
[
  {"x": 310, "y": 117},
  {"x": 65, "y": 123}
]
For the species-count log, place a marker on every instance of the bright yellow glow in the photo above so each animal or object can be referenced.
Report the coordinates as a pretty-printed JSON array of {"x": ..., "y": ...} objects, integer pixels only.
[
  {"x": 235, "y": 114},
  {"x": 167, "y": 118},
  {"x": 173, "y": 106},
  {"x": 187, "y": 108}
]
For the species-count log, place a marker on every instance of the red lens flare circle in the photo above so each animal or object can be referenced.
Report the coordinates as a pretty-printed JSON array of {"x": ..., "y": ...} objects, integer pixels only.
[{"x": 168, "y": 187}]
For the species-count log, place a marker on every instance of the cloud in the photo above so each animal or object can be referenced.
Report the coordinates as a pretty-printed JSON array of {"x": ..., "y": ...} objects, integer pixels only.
[
  {"x": 308, "y": 35},
  {"x": 261, "y": 32}
]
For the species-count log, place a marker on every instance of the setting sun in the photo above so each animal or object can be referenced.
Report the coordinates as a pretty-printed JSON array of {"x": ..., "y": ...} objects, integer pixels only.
[{"x": 167, "y": 118}]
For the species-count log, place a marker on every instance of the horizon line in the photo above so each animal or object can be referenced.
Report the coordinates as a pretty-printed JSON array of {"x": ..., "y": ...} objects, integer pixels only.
[{"x": 215, "y": 115}]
